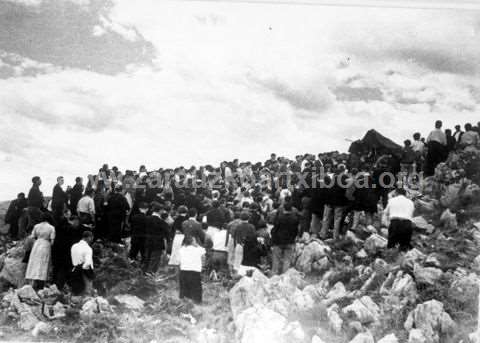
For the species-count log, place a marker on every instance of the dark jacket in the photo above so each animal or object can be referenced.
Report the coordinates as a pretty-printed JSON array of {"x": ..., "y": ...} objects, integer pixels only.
[
  {"x": 285, "y": 229},
  {"x": 75, "y": 195},
  {"x": 117, "y": 206},
  {"x": 338, "y": 191},
  {"x": 216, "y": 217},
  {"x": 242, "y": 232},
  {"x": 35, "y": 198},
  {"x": 15, "y": 210},
  {"x": 59, "y": 198},
  {"x": 157, "y": 232},
  {"x": 138, "y": 224}
]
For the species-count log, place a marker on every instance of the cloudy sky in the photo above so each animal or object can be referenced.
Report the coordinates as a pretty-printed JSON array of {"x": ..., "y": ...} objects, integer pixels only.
[{"x": 167, "y": 83}]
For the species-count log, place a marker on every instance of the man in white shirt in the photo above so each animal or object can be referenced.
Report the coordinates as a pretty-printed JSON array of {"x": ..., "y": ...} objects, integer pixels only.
[
  {"x": 398, "y": 215},
  {"x": 86, "y": 208},
  {"x": 82, "y": 261}
]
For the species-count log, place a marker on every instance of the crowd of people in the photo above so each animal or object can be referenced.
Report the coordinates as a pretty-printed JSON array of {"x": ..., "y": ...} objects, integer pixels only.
[{"x": 223, "y": 219}]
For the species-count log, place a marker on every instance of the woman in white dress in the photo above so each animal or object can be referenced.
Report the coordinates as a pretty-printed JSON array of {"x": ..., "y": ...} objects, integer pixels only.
[{"x": 40, "y": 256}]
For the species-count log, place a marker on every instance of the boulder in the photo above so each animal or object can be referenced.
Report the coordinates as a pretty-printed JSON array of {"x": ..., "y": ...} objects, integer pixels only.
[
  {"x": 337, "y": 292},
  {"x": 301, "y": 301},
  {"x": 375, "y": 243},
  {"x": 364, "y": 310},
  {"x": 316, "y": 339},
  {"x": 130, "y": 302},
  {"x": 321, "y": 265},
  {"x": 293, "y": 332},
  {"x": 448, "y": 219},
  {"x": 94, "y": 306},
  {"x": 49, "y": 292},
  {"x": 28, "y": 294},
  {"x": 427, "y": 275},
  {"x": 416, "y": 336},
  {"x": 431, "y": 319},
  {"x": 465, "y": 291},
  {"x": 364, "y": 337},
  {"x": 476, "y": 264},
  {"x": 248, "y": 292},
  {"x": 411, "y": 257},
  {"x": 312, "y": 252},
  {"x": 335, "y": 322},
  {"x": 14, "y": 271},
  {"x": 389, "y": 339},
  {"x": 27, "y": 319},
  {"x": 41, "y": 328},
  {"x": 56, "y": 311},
  {"x": 361, "y": 254},
  {"x": 259, "y": 324},
  {"x": 432, "y": 260}
]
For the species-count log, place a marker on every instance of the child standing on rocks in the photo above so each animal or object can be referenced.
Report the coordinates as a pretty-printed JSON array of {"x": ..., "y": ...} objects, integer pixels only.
[{"x": 190, "y": 256}]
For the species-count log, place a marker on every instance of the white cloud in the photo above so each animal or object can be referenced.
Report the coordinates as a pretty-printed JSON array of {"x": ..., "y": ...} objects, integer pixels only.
[{"x": 235, "y": 81}]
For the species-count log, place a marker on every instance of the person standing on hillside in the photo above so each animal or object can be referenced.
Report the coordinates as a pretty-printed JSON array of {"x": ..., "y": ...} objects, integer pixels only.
[
  {"x": 14, "y": 213},
  {"x": 82, "y": 261},
  {"x": 35, "y": 196},
  {"x": 157, "y": 233},
  {"x": 59, "y": 198},
  {"x": 86, "y": 208},
  {"x": 138, "y": 223},
  {"x": 437, "y": 145},
  {"x": 470, "y": 137},
  {"x": 117, "y": 209},
  {"x": 76, "y": 194},
  {"x": 40, "y": 256},
  {"x": 284, "y": 233},
  {"x": 398, "y": 216}
]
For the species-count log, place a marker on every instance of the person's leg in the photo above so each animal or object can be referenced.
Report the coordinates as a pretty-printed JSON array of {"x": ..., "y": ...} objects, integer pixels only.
[
  {"x": 276, "y": 259},
  {"x": 392, "y": 234},
  {"x": 405, "y": 235},
  {"x": 327, "y": 214},
  {"x": 182, "y": 284},
  {"x": 196, "y": 293},
  {"x": 337, "y": 221},
  {"x": 356, "y": 219},
  {"x": 288, "y": 253},
  {"x": 316, "y": 224},
  {"x": 134, "y": 248}
]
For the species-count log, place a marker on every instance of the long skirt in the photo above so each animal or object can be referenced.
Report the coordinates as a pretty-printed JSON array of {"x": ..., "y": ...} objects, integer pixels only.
[
  {"x": 191, "y": 285},
  {"x": 39, "y": 260}
]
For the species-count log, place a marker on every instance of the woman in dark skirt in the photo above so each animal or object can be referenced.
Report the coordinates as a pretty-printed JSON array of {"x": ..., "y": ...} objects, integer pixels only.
[{"x": 190, "y": 256}]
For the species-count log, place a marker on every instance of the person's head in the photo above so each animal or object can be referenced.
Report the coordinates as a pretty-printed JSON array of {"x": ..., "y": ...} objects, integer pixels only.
[
  {"x": 215, "y": 204},
  {"x": 78, "y": 180},
  {"x": 46, "y": 217},
  {"x": 468, "y": 127},
  {"x": 407, "y": 143},
  {"x": 75, "y": 221},
  {"x": 182, "y": 210},
  {"x": 21, "y": 196},
  {"x": 192, "y": 212},
  {"x": 157, "y": 207},
  {"x": 457, "y": 127},
  {"x": 189, "y": 240},
  {"x": 438, "y": 124},
  {"x": 448, "y": 132},
  {"x": 89, "y": 192},
  {"x": 60, "y": 180},
  {"x": 245, "y": 216},
  {"x": 118, "y": 188},
  {"x": 36, "y": 181},
  {"x": 287, "y": 206},
  {"x": 416, "y": 136},
  {"x": 87, "y": 236}
]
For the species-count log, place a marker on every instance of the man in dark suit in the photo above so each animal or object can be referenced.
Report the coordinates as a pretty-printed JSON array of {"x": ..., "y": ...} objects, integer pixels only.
[
  {"x": 76, "y": 194},
  {"x": 117, "y": 209},
  {"x": 157, "y": 232},
  {"x": 35, "y": 196},
  {"x": 138, "y": 223},
  {"x": 59, "y": 198},
  {"x": 13, "y": 214}
]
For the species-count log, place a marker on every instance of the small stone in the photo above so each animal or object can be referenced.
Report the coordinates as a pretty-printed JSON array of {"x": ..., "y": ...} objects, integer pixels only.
[{"x": 41, "y": 328}]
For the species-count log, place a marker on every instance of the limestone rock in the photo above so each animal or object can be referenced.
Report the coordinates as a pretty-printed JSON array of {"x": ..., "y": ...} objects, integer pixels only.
[
  {"x": 95, "y": 306},
  {"x": 337, "y": 292},
  {"x": 130, "y": 302},
  {"x": 293, "y": 332},
  {"x": 28, "y": 294},
  {"x": 259, "y": 324},
  {"x": 375, "y": 243},
  {"x": 364, "y": 337},
  {"x": 312, "y": 251},
  {"x": 248, "y": 292},
  {"x": 364, "y": 310},
  {"x": 416, "y": 336},
  {"x": 411, "y": 257},
  {"x": 431, "y": 319},
  {"x": 14, "y": 271},
  {"x": 41, "y": 328},
  {"x": 316, "y": 339},
  {"x": 389, "y": 339},
  {"x": 427, "y": 275},
  {"x": 335, "y": 322}
]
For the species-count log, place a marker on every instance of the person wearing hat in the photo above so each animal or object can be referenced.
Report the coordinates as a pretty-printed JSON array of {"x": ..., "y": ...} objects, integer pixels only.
[{"x": 117, "y": 209}]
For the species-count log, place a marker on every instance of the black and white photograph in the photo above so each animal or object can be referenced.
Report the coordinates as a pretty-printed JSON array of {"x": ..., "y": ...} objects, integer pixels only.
[{"x": 239, "y": 171}]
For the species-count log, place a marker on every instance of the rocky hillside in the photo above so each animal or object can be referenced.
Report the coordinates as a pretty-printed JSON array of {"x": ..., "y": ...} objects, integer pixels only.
[{"x": 353, "y": 291}]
